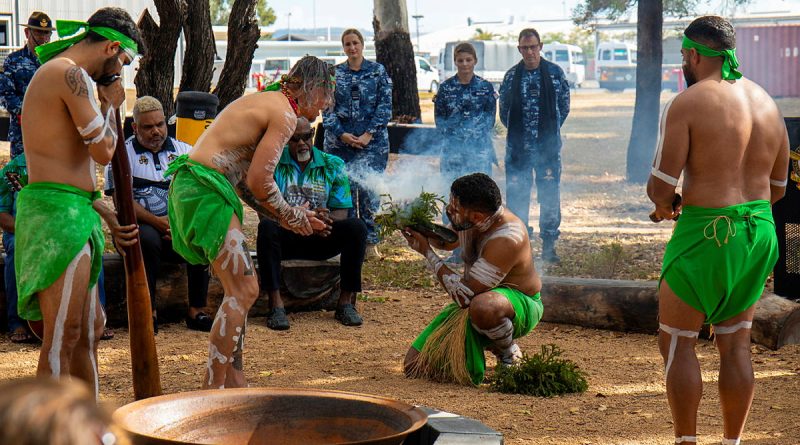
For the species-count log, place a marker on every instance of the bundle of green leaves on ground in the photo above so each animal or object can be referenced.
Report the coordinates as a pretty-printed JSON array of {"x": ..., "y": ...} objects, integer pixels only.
[
  {"x": 542, "y": 375},
  {"x": 419, "y": 214}
]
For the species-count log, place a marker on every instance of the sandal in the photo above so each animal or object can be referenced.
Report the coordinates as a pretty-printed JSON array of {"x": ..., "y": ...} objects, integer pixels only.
[
  {"x": 21, "y": 335},
  {"x": 108, "y": 334},
  {"x": 200, "y": 322},
  {"x": 277, "y": 320}
]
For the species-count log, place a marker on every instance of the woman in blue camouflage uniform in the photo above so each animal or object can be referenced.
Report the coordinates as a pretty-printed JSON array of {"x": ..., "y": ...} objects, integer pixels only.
[
  {"x": 355, "y": 128},
  {"x": 465, "y": 110}
]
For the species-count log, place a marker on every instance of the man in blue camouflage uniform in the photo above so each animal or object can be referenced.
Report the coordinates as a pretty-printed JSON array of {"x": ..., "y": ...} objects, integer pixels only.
[
  {"x": 18, "y": 70},
  {"x": 355, "y": 129},
  {"x": 309, "y": 176},
  {"x": 465, "y": 116},
  {"x": 533, "y": 112}
]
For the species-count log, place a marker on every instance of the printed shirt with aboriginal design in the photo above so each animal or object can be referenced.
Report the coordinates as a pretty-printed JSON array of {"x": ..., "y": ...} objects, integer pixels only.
[
  {"x": 14, "y": 177},
  {"x": 324, "y": 182},
  {"x": 18, "y": 70},
  {"x": 150, "y": 186}
]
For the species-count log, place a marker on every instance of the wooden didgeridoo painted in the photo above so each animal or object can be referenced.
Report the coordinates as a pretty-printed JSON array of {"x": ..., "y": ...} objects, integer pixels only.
[{"x": 144, "y": 360}]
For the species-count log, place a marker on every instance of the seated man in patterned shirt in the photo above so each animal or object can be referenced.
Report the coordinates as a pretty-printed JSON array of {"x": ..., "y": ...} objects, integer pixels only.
[
  {"x": 308, "y": 176},
  {"x": 149, "y": 151}
]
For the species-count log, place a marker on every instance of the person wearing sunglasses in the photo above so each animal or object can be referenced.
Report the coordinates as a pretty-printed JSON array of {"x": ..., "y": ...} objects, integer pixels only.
[
  {"x": 534, "y": 103},
  {"x": 308, "y": 176}
]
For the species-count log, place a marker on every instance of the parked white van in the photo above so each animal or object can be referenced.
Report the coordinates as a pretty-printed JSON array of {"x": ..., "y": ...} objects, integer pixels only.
[
  {"x": 427, "y": 75},
  {"x": 616, "y": 65},
  {"x": 569, "y": 58},
  {"x": 494, "y": 59}
]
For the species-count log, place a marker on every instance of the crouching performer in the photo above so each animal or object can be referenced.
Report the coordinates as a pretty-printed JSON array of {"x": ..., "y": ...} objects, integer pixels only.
[
  {"x": 724, "y": 245},
  {"x": 237, "y": 155},
  {"x": 495, "y": 301},
  {"x": 59, "y": 239}
]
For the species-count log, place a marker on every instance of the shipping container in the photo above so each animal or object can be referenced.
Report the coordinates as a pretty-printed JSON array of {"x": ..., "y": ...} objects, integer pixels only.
[{"x": 770, "y": 56}]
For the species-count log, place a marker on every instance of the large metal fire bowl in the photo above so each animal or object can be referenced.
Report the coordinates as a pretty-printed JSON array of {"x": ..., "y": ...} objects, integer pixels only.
[{"x": 269, "y": 416}]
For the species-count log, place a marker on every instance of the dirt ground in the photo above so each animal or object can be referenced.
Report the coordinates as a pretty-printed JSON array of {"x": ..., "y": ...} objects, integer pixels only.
[{"x": 606, "y": 234}]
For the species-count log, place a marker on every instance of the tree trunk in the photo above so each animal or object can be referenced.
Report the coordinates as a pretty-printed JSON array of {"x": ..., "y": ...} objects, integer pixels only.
[
  {"x": 632, "y": 306},
  {"x": 395, "y": 52},
  {"x": 243, "y": 33},
  {"x": 198, "y": 63},
  {"x": 156, "y": 75},
  {"x": 644, "y": 132}
]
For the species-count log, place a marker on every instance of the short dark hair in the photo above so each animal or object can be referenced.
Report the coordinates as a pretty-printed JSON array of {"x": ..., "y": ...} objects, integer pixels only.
[
  {"x": 529, "y": 32},
  {"x": 117, "y": 19},
  {"x": 465, "y": 47},
  {"x": 477, "y": 191},
  {"x": 713, "y": 31}
]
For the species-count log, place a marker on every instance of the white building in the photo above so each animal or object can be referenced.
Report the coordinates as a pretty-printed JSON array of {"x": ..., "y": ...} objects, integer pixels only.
[{"x": 16, "y": 12}]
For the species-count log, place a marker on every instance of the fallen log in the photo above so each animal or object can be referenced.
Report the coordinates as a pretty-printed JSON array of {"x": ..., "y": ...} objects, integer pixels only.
[{"x": 632, "y": 306}]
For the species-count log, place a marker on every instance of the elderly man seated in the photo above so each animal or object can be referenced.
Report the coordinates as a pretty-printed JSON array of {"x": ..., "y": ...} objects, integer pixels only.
[
  {"x": 308, "y": 176},
  {"x": 149, "y": 151}
]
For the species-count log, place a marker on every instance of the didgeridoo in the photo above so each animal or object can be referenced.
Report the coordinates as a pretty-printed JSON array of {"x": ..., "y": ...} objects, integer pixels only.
[{"x": 144, "y": 360}]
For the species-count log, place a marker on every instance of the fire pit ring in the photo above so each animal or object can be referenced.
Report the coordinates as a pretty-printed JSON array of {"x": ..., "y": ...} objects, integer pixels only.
[{"x": 255, "y": 416}]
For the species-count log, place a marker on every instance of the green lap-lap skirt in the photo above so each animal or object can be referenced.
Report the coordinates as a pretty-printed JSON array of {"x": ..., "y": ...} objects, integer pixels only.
[
  {"x": 200, "y": 207},
  {"x": 718, "y": 260},
  {"x": 53, "y": 223},
  {"x": 528, "y": 310}
]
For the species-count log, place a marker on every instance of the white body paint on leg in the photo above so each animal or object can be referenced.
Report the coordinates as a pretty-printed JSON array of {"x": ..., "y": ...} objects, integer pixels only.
[
  {"x": 54, "y": 355},
  {"x": 731, "y": 441},
  {"x": 683, "y": 439},
  {"x": 92, "y": 308},
  {"x": 502, "y": 336},
  {"x": 724, "y": 330},
  {"x": 214, "y": 354},
  {"x": 673, "y": 343},
  {"x": 233, "y": 249}
]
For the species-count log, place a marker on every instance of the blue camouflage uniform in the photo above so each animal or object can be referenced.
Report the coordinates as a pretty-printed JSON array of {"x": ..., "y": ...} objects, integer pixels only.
[
  {"x": 465, "y": 116},
  {"x": 547, "y": 164},
  {"x": 363, "y": 105},
  {"x": 18, "y": 71}
]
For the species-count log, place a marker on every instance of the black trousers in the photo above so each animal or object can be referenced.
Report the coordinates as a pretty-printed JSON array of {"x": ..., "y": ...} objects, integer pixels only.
[
  {"x": 156, "y": 249},
  {"x": 348, "y": 238}
]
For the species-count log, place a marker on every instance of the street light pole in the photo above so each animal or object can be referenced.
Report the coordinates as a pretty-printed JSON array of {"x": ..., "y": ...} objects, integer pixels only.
[{"x": 417, "y": 17}]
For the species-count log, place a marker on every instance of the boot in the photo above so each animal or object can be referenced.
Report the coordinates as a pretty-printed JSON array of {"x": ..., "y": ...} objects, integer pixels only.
[{"x": 549, "y": 251}]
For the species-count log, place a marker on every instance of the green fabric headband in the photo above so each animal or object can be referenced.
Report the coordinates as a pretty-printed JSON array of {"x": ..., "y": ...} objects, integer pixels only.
[
  {"x": 729, "y": 64},
  {"x": 70, "y": 27}
]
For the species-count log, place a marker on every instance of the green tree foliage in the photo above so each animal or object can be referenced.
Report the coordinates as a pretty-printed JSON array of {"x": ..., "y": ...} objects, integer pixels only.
[{"x": 221, "y": 11}]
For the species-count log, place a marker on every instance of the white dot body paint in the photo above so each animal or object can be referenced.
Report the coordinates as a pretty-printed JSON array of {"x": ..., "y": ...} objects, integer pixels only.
[
  {"x": 232, "y": 247},
  {"x": 54, "y": 355}
]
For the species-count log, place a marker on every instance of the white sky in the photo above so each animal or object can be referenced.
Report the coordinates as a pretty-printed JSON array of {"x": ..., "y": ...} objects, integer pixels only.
[{"x": 440, "y": 14}]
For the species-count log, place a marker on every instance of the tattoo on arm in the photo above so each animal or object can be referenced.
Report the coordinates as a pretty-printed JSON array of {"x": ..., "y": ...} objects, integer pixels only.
[
  {"x": 255, "y": 203},
  {"x": 77, "y": 85}
]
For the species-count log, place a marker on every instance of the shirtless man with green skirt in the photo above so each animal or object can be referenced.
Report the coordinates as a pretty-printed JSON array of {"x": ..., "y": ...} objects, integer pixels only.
[
  {"x": 236, "y": 158},
  {"x": 727, "y": 137},
  {"x": 59, "y": 239}
]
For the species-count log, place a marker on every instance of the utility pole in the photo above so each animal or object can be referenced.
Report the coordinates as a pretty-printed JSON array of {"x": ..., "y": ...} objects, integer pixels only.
[{"x": 417, "y": 17}]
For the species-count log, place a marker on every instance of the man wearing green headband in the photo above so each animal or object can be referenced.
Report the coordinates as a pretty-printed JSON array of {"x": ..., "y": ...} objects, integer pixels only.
[
  {"x": 727, "y": 137},
  {"x": 59, "y": 238}
]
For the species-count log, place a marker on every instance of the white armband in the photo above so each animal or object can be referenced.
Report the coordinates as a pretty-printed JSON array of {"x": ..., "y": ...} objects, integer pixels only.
[
  {"x": 103, "y": 131},
  {"x": 655, "y": 171},
  {"x": 778, "y": 183},
  {"x": 486, "y": 273},
  {"x": 96, "y": 123}
]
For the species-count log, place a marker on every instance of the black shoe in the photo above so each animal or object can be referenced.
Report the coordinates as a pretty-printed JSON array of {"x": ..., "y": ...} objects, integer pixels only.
[
  {"x": 200, "y": 322},
  {"x": 347, "y": 315},
  {"x": 277, "y": 320},
  {"x": 549, "y": 252}
]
